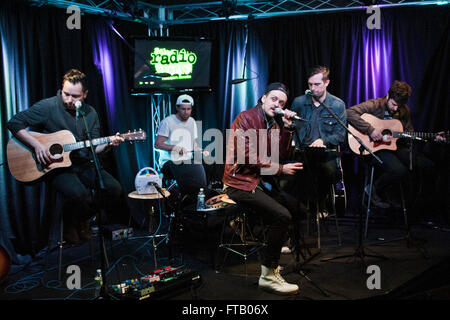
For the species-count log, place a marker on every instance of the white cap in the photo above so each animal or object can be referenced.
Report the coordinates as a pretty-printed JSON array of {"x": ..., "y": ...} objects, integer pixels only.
[{"x": 185, "y": 99}]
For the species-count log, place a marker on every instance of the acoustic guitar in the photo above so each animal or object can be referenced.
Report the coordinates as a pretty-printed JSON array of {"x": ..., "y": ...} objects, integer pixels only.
[
  {"x": 391, "y": 130},
  {"x": 22, "y": 160}
]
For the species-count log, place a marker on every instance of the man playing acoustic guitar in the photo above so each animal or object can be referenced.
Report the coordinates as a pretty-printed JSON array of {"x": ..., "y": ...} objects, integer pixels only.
[
  {"x": 395, "y": 163},
  {"x": 76, "y": 182}
]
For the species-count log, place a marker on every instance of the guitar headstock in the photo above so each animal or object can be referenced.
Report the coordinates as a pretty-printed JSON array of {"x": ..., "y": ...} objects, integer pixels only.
[
  {"x": 138, "y": 135},
  {"x": 444, "y": 137}
]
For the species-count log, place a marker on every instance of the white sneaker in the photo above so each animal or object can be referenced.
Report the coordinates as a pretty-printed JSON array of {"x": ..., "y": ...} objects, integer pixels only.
[
  {"x": 286, "y": 250},
  {"x": 271, "y": 280}
]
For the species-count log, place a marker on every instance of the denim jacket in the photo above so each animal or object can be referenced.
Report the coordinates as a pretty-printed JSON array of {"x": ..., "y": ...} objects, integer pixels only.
[{"x": 331, "y": 132}]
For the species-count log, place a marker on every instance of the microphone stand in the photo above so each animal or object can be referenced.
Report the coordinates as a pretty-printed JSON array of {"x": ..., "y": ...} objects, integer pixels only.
[
  {"x": 342, "y": 124},
  {"x": 176, "y": 223},
  {"x": 359, "y": 252},
  {"x": 98, "y": 192}
]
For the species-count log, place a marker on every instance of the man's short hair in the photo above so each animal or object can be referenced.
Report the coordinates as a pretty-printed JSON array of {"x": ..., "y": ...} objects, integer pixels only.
[
  {"x": 75, "y": 76},
  {"x": 320, "y": 69},
  {"x": 400, "y": 92}
]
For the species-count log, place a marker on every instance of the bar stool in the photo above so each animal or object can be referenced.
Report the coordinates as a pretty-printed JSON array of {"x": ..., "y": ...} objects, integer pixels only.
[
  {"x": 318, "y": 216},
  {"x": 56, "y": 202},
  {"x": 309, "y": 156},
  {"x": 149, "y": 199},
  {"x": 367, "y": 197},
  {"x": 243, "y": 242}
]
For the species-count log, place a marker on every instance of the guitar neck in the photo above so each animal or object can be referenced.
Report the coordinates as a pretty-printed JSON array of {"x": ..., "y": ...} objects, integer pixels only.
[
  {"x": 86, "y": 144},
  {"x": 424, "y": 135}
]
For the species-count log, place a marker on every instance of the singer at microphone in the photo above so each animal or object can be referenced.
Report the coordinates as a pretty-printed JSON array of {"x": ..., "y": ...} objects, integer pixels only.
[{"x": 281, "y": 112}]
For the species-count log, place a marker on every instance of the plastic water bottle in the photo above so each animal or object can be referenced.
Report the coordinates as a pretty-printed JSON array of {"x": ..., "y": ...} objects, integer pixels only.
[
  {"x": 201, "y": 200},
  {"x": 98, "y": 282}
]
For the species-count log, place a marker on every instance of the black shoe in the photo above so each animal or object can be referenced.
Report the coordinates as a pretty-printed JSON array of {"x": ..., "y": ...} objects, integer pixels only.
[{"x": 375, "y": 198}]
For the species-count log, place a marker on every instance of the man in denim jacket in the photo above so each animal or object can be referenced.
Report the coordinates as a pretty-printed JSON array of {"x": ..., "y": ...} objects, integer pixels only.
[{"x": 319, "y": 129}]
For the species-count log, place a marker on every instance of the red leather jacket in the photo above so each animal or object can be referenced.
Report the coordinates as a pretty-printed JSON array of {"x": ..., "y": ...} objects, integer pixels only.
[{"x": 245, "y": 175}]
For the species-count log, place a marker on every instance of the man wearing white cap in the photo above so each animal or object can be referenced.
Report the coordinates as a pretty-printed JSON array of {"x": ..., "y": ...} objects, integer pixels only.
[{"x": 177, "y": 141}]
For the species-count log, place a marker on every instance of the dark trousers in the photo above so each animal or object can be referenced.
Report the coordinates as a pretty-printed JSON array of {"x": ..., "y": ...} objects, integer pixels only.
[
  {"x": 75, "y": 185},
  {"x": 190, "y": 177},
  {"x": 396, "y": 165},
  {"x": 276, "y": 217},
  {"x": 316, "y": 178}
]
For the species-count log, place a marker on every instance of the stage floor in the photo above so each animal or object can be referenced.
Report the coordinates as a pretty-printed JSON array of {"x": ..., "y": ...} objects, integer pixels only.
[{"x": 415, "y": 272}]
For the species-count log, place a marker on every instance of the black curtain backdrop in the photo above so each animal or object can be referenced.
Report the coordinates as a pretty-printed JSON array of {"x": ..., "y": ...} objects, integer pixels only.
[
  {"x": 412, "y": 45},
  {"x": 280, "y": 49},
  {"x": 419, "y": 40},
  {"x": 45, "y": 50}
]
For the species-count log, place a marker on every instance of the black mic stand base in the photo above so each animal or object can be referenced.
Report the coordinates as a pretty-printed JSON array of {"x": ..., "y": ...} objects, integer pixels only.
[
  {"x": 300, "y": 271},
  {"x": 299, "y": 243},
  {"x": 360, "y": 253},
  {"x": 410, "y": 242}
]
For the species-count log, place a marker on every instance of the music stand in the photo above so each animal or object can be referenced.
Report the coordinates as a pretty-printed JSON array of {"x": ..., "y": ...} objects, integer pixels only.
[
  {"x": 299, "y": 244},
  {"x": 360, "y": 251}
]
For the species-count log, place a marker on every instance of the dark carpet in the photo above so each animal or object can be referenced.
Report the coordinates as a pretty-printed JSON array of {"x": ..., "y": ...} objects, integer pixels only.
[{"x": 414, "y": 269}]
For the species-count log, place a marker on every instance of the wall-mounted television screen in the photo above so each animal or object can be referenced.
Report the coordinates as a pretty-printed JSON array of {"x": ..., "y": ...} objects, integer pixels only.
[{"x": 170, "y": 64}]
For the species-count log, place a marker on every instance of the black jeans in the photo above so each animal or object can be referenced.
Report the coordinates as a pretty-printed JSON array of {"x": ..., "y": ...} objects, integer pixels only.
[
  {"x": 317, "y": 176},
  {"x": 276, "y": 218},
  {"x": 190, "y": 177},
  {"x": 75, "y": 185},
  {"x": 396, "y": 165}
]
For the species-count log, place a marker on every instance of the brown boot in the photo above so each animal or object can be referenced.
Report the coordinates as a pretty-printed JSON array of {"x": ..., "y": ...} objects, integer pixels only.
[
  {"x": 84, "y": 231},
  {"x": 71, "y": 234}
]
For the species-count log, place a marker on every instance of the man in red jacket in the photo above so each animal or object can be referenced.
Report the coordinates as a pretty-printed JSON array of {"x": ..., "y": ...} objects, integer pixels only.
[{"x": 255, "y": 131}]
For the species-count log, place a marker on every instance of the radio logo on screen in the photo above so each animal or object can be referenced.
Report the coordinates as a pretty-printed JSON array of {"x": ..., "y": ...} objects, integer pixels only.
[{"x": 178, "y": 63}]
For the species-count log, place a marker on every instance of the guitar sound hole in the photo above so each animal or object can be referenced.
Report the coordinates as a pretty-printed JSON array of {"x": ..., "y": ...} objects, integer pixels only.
[
  {"x": 56, "y": 150},
  {"x": 387, "y": 135}
]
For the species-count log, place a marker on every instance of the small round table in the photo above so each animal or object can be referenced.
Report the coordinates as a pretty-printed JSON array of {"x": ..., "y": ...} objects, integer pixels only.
[{"x": 150, "y": 196}]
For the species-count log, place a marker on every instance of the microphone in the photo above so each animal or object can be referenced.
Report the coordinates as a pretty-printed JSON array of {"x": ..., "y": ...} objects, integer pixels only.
[
  {"x": 78, "y": 106},
  {"x": 310, "y": 94},
  {"x": 157, "y": 187},
  {"x": 240, "y": 80},
  {"x": 281, "y": 113}
]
